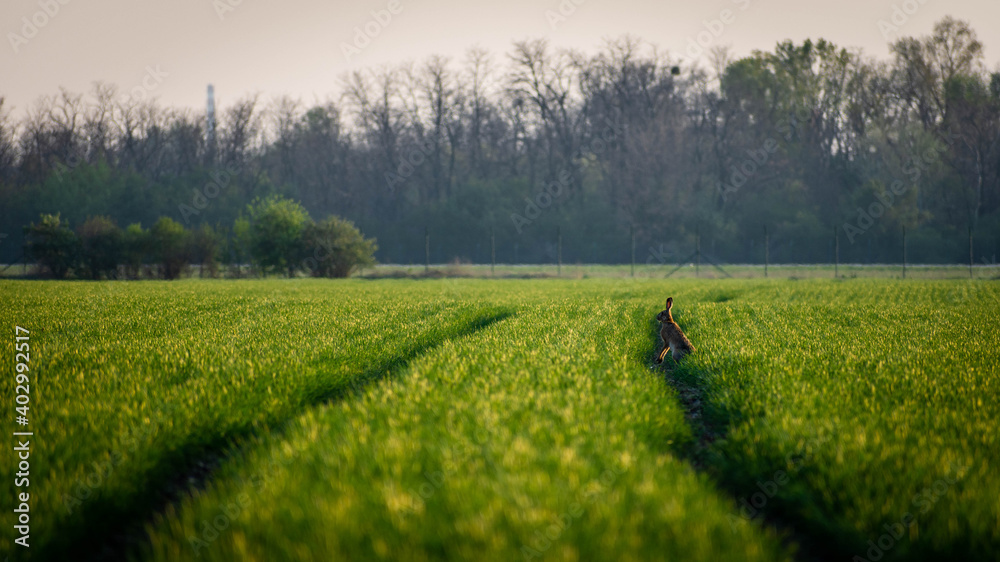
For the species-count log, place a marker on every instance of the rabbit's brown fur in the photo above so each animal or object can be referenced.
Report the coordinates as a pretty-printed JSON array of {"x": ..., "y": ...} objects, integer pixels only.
[{"x": 672, "y": 335}]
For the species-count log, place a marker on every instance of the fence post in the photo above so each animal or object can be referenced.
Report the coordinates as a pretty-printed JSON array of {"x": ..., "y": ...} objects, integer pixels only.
[
  {"x": 427, "y": 250},
  {"x": 836, "y": 253},
  {"x": 493, "y": 251},
  {"x": 559, "y": 251},
  {"x": 904, "y": 252},
  {"x": 631, "y": 231},
  {"x": 767, "y": 250},
  {"x": 970, "y": 251},
  {"x": 697, "y": 251}
]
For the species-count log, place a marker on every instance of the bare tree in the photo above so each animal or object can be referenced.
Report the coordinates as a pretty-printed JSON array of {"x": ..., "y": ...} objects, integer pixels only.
[
  {"x": 240, "y": 132},
  {"x": 545, "y": 82},
  {"x": 8, "y": 147}
]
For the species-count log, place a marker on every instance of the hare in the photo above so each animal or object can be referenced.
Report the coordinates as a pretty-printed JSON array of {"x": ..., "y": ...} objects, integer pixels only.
[{"x": 672, "y": 336}]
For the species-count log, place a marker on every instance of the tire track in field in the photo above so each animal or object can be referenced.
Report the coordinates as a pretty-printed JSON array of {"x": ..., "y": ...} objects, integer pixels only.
[
  {"x": 124, "y": 530},
  {"x": 707, "y": 428},
  {"x": 691, "y": 392}
]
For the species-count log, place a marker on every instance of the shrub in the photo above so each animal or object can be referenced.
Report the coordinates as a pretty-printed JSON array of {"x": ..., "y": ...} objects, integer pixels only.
[
  {"x": 170, "y": 247},
  {"x": 239, "y": 244},
  {"x": 100, "y": 247},
  {"x": 276, "y": 228},
  {"x": 53, "y": 245},
  {"x": 135, "y": 249},
  {"x": 335, "y": 248},
  {"x": 205, "y": 250}
]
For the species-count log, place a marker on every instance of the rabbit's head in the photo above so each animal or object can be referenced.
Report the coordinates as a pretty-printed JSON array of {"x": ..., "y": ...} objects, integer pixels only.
[{"x": 664, "y": 316}]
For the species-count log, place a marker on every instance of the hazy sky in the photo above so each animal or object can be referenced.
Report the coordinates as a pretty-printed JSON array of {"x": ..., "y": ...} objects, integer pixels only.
[{"x": 295, "y": 47}]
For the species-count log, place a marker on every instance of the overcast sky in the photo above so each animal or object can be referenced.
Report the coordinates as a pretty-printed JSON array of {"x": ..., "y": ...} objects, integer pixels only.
[{"x": 296, "y": 47}]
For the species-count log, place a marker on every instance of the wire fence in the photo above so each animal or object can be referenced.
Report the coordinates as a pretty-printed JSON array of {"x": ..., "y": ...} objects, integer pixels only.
[
  {"x": 686, "y": 271},
  {"x": 922, "y": 253}
]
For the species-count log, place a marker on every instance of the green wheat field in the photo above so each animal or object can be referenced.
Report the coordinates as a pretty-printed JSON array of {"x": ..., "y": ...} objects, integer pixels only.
[{"x": 514, "y": 419}]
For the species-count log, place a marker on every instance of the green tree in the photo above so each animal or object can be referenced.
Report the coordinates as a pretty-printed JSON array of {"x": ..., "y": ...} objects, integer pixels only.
[
  {"x": 101, "y": 247},
  {"x": 276, "y": 228},
  {"x": 52, "y": 244},
  {"x": 240, "y": 243},
  {"x": 169, "y": 243},
  {"x": 335, "y": 248},
  {"x": 205, "y": 242},
  {"x": 136, "y": 248}
]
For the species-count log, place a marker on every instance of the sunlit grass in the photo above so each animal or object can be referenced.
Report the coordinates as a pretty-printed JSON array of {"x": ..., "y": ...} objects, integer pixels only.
[
  {"x": 457, "y": 419},
  {"x": 132, "y": 382},
  {"x": 879, "y": 399},
  {"x": 542, "y": 436}
]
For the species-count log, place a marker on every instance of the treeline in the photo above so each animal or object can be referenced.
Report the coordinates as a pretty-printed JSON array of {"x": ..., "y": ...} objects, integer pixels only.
[
  {"x": 805, "y": 140},
  {"x": 274, "y": 235}
]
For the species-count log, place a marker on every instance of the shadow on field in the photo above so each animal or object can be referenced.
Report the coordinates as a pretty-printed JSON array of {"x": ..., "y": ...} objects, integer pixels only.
[
  {"x": 113, "y": 528},
  {"x": 382, "y": 370},
  {"x": 710, "y": 421}
]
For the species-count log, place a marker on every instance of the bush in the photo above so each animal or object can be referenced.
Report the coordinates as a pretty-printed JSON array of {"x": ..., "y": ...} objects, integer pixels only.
[
  {"x": 205, "y": 250},
  {"x": 276, "y": 228},
  {"x": 170, "y": 247},
  {"x": 101, "y": 247},
  {"x": 335, "y": 248},
  {"x": 135, "y": 249},
  {"x": 52, "y": 245},
  {"x": 240, "y": 244}
]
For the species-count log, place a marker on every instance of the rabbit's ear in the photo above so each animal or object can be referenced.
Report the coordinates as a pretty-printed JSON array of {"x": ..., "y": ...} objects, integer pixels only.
[{"x": 670, "y": 302}]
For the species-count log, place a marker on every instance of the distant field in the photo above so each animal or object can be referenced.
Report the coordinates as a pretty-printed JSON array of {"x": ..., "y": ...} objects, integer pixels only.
[{"x": 512, "y": 419}]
